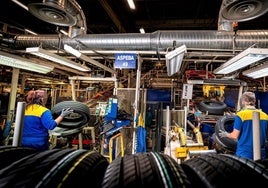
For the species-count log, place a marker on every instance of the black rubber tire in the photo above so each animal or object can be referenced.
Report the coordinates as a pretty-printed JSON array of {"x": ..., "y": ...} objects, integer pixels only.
[
  {"x": 214, "y": 170},
  {"x": 212, "y": 107},
  {"x": 144, "y": 170},
  {"x": 222, "y": 125},
  {"x": 263, "y": 162},
  {"x": 258, "y": 168},
  {"x": 78, "y": 118},
  {"x": 27, "y": 171},
  {"x": 77, "y": 170},
  {"x": 10, "y": 154}
]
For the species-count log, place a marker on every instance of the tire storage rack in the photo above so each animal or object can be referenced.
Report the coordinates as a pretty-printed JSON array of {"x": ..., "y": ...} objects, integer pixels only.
[{"x": 24, "y": 167}]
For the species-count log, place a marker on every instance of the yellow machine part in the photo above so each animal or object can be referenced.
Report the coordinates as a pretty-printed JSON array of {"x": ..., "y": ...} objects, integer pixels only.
[
  {"x": 198, "y": 135},
  {"x": 181, "y": 152},
  {"x": 207, "y": 89},
  {"x": 111, "y": 146}
]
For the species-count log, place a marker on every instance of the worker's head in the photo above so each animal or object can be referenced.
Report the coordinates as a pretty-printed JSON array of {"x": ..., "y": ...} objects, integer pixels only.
[
  {"x": 248, "y": 98},
  {"x": 36, "y": 97}
]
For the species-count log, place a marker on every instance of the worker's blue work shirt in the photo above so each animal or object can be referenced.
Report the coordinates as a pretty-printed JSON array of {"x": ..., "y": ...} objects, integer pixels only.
[
  {"x": 37, "y": 121},
  {"x": 243, "y": 123}
]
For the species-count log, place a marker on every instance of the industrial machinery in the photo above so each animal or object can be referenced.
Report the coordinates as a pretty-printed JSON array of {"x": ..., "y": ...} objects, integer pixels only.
[{"x": 185, "y": 142}]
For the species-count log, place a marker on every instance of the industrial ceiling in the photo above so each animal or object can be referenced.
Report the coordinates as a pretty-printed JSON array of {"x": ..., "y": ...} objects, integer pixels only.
[{"x": 114, "y": 16}]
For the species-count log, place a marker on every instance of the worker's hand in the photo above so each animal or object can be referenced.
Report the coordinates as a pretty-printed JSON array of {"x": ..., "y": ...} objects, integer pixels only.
[
  {"x": 223, "y": 134},
  {"x": 66, "y": 112}
]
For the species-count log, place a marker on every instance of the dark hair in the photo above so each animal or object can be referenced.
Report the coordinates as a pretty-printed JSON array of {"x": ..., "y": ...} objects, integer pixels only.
[{"x": 36, "y": 97}]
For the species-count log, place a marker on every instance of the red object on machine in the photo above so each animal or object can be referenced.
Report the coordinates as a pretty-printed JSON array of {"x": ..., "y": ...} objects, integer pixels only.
[{"x": 198, "y": 74}]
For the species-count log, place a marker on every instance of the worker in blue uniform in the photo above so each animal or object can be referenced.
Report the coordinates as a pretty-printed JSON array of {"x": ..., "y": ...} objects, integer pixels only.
[
  {"x": 38, "y": 120},
  {"x": 243, "y": 128}
]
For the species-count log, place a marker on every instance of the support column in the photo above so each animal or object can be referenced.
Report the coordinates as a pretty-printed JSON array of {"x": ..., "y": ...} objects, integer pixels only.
[
  {"x": 13, "y": 93},
  {"x": 136, "y": 104},
  {"x": 19, "y": 123},
  {"x": 256, "y": 136}
]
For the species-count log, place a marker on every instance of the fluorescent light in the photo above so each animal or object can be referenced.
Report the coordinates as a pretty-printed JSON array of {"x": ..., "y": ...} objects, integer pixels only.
[
  {"x": 142, "y": 30},
  {"x": 56, "y": 58},
  {"x": 23, "y": 63},
  {"x": 257, "y": 72},
  {"x": 20, "y": 4},
  {"x": 71, "y": 50},
  {"x": 78, "y": 54},
  {"x": 29, "y": 31},
  {"x": 131, "y": 4},
  {"x": 243, "y": 59},
  {"x": 174, "y": 60},
  {"x": 64, "y": 32}
]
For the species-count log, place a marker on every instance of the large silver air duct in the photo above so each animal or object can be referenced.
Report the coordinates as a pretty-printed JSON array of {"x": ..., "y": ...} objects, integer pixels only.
[
  {"x": 223, "y": 38},
  {"x": 158, "y": 41}
]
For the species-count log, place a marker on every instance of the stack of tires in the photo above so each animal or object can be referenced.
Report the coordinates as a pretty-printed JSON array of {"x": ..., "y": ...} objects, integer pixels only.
[
  {"x": 208, "y": 170},
  {"x": 24, "y": 167}
]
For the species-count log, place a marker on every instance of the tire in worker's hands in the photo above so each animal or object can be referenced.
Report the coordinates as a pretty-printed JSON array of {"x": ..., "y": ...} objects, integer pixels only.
[
  {"x": 65, "y": 112},
  {"x": 223, "y": 134}
]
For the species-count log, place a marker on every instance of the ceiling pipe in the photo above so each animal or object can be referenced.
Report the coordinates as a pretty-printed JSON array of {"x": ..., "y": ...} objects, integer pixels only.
[
  {"x": 80, "y": 28},
  {"x": 158, "y": 41},
  {"x": 223, "y": 24}
]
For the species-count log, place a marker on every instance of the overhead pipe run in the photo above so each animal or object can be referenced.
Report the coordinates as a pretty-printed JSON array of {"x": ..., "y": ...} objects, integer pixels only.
[
  {"x": 223, "y": 24},
  {"x": 158, "y": 41}
]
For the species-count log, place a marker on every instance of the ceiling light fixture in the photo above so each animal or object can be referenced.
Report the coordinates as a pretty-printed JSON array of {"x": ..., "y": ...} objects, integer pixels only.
[
  {"x": 174, "y": 59},
  {"x": 15, "y": 61},
  {"x": 20, "y": 4},
  {"x": 56, "y": 58},
  {"x": 142, "y": 30},
  {"x": 31, "y": 32},
  {"x": 131, "y": 4},
  {"x": 64, "y": 32},
  {"x": 241, "y": 60},
  {"x": 78, "y": 54},
  {"x": 257, "y": 72}
]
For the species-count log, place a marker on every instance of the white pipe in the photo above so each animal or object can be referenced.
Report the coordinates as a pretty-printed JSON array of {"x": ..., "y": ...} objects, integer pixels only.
[
  {"x": 107, "y": 79},
  {"x": 198, "y": 152},
  {"x": 13, "y": 93},
  {"x": 167, "y": 125},
  {"x": 19, "y": 123},
  {"x": 256, "y": 136}
]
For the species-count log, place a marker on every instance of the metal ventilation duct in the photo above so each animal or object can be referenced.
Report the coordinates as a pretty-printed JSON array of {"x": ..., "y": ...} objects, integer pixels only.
[
  {"x": 61, "y": 13},
  {"x": 222, "y": 39},
  {"x": 157, "y": 41},
  {"x": 237, "y": 10},
  {"x": 53, "y": 11}
]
